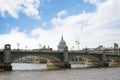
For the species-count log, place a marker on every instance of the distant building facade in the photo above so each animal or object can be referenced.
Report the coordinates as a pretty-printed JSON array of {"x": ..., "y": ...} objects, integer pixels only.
[{"x": 100, "y": 49}]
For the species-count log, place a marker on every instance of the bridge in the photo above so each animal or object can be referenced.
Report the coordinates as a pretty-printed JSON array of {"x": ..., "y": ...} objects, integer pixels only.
[{"x": 58, "y": 58}]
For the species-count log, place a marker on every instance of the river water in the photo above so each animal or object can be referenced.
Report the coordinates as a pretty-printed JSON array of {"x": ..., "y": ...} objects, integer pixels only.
[{"x": 39, "y": 72}]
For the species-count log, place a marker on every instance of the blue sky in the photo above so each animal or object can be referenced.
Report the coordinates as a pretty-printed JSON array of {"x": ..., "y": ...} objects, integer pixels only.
[
  {"x": 34, "y": 22},
  {"x": 47, "y": 11}
]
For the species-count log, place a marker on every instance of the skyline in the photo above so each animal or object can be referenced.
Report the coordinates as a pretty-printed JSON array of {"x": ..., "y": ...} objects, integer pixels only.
[{"x": 34, "y": 22}]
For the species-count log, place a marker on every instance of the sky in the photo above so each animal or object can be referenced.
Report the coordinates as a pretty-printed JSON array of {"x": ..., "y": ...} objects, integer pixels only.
[{"x": 35, "y": 23}]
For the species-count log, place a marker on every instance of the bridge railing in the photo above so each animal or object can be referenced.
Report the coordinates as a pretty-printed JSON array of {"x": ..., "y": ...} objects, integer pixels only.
[
  {"x": 35, "y": 50},
  {"x": 69, "y": 51}
]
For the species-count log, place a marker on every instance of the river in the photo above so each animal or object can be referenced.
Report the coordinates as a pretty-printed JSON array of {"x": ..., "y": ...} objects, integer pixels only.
[{"x": 39, "y": 72}]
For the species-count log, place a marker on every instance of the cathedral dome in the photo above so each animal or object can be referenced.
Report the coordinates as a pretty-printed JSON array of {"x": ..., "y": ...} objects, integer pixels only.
[{"x": 62, "y": 44}]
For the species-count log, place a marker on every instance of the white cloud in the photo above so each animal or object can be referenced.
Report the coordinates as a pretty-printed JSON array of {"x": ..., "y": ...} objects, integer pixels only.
[
  {"x": 14, "y": 7},
  {"x": 97, "y": 28},
  {"x": 62, "y": 13},
  {"x": 95, "y": 2},
  {"x": 14, "y": 37}
]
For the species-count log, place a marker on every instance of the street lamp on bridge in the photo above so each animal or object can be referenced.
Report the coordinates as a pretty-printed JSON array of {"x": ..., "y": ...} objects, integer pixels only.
[
  {"x": 26, "y": 48},
  {"x": 39, "y": 46},
  {"x": 18, "y": 45}
]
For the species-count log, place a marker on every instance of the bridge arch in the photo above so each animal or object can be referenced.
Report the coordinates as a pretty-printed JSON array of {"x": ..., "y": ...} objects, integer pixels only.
[
  {"x": 15, "y": 56},
  {"x": 87, "y": 58},
  {"x": 90, "y": 57}
]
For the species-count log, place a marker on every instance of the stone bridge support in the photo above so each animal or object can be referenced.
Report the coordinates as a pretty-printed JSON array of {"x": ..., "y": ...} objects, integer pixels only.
[
  {"x": 65, "y": 58},
  {"x": 104, "y": 62},
  {"x": 64, "y": 63},
  {"x": 7, "y": 58},
  {"x": 1, "y": 61}
]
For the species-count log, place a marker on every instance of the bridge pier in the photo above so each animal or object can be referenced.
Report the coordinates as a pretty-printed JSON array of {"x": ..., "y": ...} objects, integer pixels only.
[
  {"x": 104, "y": 62},
  {"x": 55, "y": 64},
  {"x": 7, "y": 67},
  {"x": 1, "y": 66},
  {"x": 64, "y": 63},
  {"x": 7, "y": 58}
]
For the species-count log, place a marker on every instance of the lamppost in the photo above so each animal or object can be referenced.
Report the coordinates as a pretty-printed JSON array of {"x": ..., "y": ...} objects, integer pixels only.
[
  {"x": 39, "y": 46},
  {"x": 26, "y": 48},
  {"x": 18, "y": 46}
]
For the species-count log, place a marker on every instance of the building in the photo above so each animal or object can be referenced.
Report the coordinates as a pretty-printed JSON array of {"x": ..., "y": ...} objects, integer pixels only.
[{"x": 62, "y": 45}]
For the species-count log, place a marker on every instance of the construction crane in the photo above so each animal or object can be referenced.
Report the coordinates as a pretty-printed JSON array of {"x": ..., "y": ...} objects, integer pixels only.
[{"x": 77, "y": 42}]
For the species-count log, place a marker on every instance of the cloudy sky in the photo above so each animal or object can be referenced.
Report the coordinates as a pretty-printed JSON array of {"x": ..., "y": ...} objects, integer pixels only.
[{"x": 42, "y": 22}]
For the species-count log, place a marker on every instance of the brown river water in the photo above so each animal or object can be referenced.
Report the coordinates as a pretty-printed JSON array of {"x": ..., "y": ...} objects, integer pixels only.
[{"x": 23, "y": 71}]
